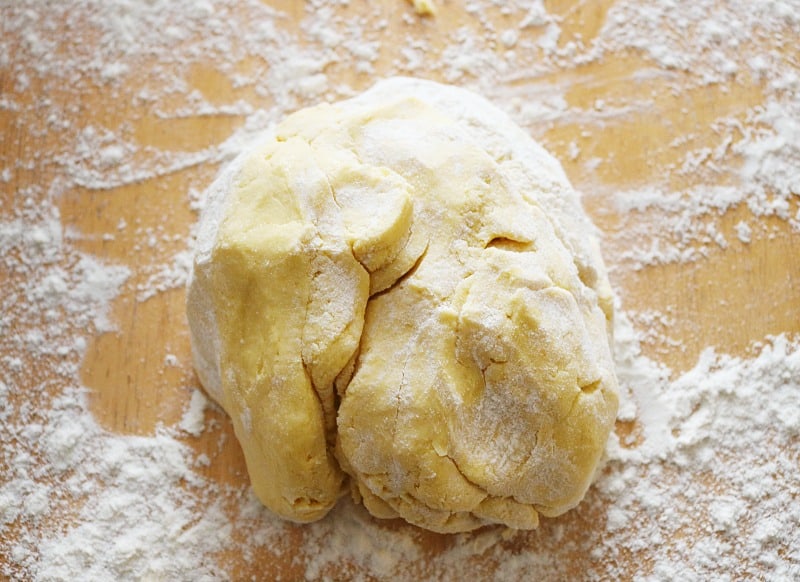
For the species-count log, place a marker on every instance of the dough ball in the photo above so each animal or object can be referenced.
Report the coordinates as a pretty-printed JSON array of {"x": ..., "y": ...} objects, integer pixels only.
[{"x": 401, "y": 295}]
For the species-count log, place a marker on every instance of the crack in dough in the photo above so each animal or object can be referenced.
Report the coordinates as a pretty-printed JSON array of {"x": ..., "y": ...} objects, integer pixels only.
[{"x": 401, "y": 295}]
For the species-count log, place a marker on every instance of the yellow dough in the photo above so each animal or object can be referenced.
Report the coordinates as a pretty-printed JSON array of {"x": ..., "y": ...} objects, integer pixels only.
[
  {"x": 424, "y": 7},
  {"x": 400, "y": 294}
]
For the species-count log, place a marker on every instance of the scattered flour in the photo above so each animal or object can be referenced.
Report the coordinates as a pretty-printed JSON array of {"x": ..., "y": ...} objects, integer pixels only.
[
  {"x": 744, "y": 232},
  {"x": 193, "y": 420},
  {"x": 701, "y": 479}
]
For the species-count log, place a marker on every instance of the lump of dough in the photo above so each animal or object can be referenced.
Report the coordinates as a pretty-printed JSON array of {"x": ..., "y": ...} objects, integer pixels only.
[{"x": 401, "y": 295}]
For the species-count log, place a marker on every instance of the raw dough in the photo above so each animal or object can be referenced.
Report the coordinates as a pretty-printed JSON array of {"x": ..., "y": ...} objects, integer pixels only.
[
  {"x": 402, "y": 295},
  {"x": 424, "y": 7}
]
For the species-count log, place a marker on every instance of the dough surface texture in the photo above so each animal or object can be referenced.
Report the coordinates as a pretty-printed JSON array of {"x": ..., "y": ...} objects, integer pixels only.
[{"x": 400, "y": 295}]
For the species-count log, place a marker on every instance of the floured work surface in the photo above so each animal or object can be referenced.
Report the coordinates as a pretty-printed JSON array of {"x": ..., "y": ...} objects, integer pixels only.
[{"x": 679, "y": 127}]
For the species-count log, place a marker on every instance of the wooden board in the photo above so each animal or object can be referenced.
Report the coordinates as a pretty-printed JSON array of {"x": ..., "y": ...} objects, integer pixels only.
[{"x": 729, "y": 298}]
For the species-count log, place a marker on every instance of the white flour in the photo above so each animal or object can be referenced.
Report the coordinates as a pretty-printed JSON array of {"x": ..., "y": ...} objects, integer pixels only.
[{"x": 706, "y": 484}]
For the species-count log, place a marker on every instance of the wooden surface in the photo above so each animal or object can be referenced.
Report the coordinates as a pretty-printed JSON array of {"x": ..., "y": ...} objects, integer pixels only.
[{"x": 729, "y": 299}]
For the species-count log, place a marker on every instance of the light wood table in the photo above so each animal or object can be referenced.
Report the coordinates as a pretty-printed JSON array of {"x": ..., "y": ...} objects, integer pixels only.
[{"x": 729, "y": 298}]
